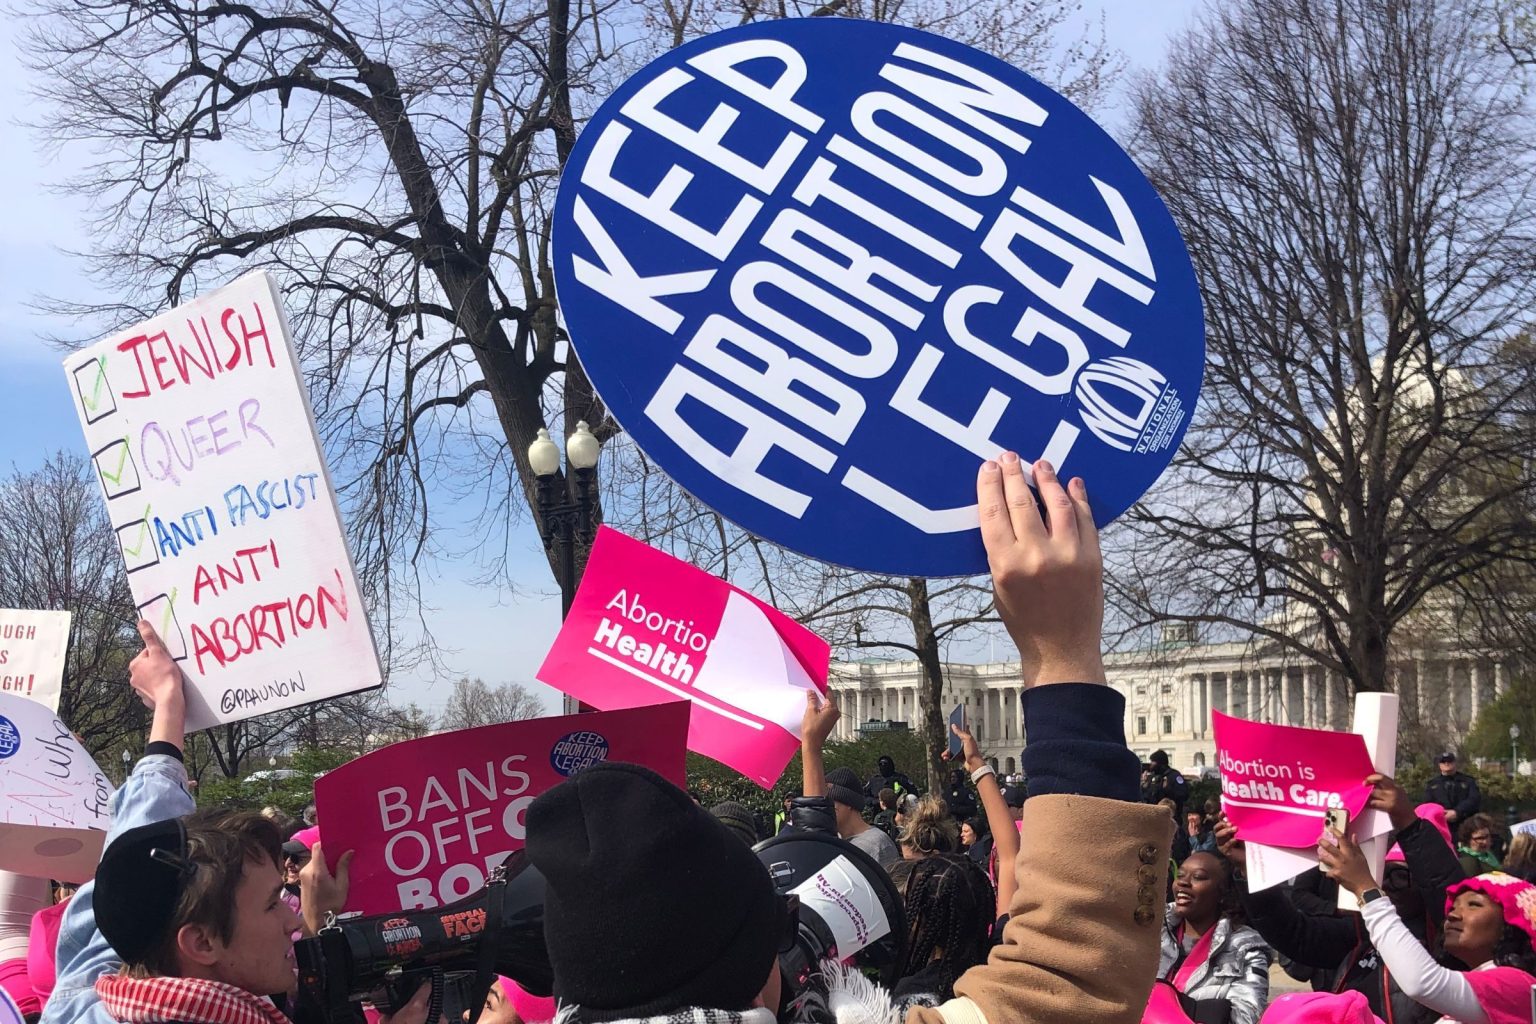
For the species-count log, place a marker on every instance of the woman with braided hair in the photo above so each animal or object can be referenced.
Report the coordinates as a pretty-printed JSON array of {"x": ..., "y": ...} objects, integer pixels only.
[{"x": 950, "y": 907}]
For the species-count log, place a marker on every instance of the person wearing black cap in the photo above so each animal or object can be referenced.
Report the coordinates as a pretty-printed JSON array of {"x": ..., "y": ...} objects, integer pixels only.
[
  {"x": 187, "y": 908},
  {"x": 887, "y": 776},
  {"x": 1456, "y": 791},
  {"x": 654, "y": 912},
  {"x": 738, "y": 818},
  {"x": 154, "y": 791},
  {"x": 1162, "y": 782}
]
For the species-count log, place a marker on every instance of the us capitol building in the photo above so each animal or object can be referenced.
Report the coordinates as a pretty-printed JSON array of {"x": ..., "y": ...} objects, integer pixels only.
[{"x": 1170, "y": 691}]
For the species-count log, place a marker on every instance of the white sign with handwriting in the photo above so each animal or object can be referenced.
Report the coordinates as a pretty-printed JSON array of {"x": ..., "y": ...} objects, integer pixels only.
[{"x": 54, "y": 800}]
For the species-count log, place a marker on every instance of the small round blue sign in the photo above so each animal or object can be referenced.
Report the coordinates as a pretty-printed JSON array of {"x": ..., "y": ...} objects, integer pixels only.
[
  {"x": 10, "y": 737},
  {"x": 577, "y": 750},
  {"x": 821, "y": 268}
]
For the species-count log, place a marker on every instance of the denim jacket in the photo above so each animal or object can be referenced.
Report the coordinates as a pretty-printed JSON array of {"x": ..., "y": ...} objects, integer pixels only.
[{"x": 156, "y": 790}]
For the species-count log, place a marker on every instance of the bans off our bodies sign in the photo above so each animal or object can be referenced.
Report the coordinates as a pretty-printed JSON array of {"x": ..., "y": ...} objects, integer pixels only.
[
  {"x": 430, "y": 819},
  {"x": 201, "y": 435},
  {"x": 820, "y": 268}
]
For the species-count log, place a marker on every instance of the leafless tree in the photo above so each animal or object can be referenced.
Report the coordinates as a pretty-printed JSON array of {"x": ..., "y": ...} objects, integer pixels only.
[
  {"x": 473, "y": 703},
  {"x": 1355, "y": 181},
  {"x": 393, "y": 161},
  {"x": 860, "y": 612},
  {"x": 58, "y": 552}
]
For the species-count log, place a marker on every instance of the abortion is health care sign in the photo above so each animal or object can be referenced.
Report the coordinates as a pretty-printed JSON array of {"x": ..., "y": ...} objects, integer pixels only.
[
  {"x": 429, "y": 819},
  {"x": 647, "y": 627},
  {"x": 54, "y": 800},
  {"x": 200, "y": 432},
  {"x": 821, "y": 268},
  {"x": 1279, "y": 781}
]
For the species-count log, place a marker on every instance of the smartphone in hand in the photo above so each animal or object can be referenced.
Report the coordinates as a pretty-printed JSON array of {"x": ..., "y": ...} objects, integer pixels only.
[
  {"x": 1337, "y": 820},
  {"x": 956, "y": 718}
]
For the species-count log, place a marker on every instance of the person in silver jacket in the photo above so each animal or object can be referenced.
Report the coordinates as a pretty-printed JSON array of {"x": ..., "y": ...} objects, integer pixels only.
[{"x": 1208, "y": 955}]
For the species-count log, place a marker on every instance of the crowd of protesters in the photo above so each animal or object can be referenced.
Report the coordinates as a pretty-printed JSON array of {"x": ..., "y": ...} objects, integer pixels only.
[{"x": 1088, "y": 889}]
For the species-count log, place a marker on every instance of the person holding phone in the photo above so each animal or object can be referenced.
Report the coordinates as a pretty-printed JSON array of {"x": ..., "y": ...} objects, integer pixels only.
[
  {"x": 1419, "y": 869},
  {"x": 1488, "y": 965}
]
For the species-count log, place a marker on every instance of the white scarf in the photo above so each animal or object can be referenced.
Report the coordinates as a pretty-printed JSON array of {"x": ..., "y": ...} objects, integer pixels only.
[{"x": 851, "y": 997}]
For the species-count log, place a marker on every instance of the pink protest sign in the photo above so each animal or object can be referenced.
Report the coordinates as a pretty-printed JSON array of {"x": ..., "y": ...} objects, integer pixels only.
[
  {"x": 1278, "y": 781},
  {"x": 646, "y": 627},
  {"x": 429, "y": 819}
]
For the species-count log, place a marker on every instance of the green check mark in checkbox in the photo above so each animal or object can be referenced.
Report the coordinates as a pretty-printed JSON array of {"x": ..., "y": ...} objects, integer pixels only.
[
  {"x": 114, "y": 476},
  {"x": 93, "y": 400},
  {"x": 143, "y": 535},
  {"x": 164, "y": 628}
]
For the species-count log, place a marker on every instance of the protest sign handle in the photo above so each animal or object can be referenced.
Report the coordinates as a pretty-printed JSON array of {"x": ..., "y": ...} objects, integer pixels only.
[{"x": 1375, "y": 719}]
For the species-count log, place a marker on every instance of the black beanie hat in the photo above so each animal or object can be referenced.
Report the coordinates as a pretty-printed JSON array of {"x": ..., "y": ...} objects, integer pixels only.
[
  {"x": 652, "y": 905},
  {"x": 843, "y": 787},
  {"x": 137, "y": 892},
  {"x": 738, "y": 818}
]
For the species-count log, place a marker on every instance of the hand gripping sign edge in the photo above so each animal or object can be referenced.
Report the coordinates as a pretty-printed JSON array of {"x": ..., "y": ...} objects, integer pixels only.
[{"x": 820, "y": 268}]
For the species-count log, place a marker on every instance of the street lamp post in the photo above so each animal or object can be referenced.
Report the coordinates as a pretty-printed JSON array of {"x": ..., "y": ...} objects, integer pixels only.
[
  {"x": 565, "y": 513},
  {"x": 127, "y": 764},
  {"x": 1514, "y": 751}
]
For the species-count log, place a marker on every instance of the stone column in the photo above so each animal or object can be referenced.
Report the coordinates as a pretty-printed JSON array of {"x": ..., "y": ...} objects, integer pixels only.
[
  {"x": 1475, "y": 683},
  {"x": 1306, "y": 697},
  {"x": 1019, "y": 711},
  {"x": 1203, "y": 719}
]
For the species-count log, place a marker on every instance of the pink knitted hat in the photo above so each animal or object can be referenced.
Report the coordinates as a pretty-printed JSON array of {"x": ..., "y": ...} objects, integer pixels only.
[
  {"x": 1435, "y": 815},
  {"x": 1515, "y": 895},
  {"x": 1320, "y": 1008},
  {"x": 533, "y": 1009}
]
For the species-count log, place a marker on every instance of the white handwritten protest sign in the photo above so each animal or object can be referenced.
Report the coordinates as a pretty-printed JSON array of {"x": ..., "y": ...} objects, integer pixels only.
[
  {"x": 53, "y": 801},
  {"x": 33, "y": 645},
  {"x": 202, "y": 436}
]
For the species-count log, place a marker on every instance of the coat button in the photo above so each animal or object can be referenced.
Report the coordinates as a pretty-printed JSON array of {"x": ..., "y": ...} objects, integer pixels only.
[
  {"x": 1144, "y": 896},
  {"x": 1143, "y": 915},
  {"x": 1148, "y": 854},
  {"x": 1146, "y": 874}
]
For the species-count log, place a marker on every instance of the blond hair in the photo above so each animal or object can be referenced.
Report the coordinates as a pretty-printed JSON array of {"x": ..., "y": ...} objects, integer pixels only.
[{"x": 930, "y": 829}]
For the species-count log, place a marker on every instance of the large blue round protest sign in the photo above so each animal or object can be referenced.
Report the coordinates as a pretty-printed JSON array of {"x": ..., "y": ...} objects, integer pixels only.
[{"x": 820, "y": 269}]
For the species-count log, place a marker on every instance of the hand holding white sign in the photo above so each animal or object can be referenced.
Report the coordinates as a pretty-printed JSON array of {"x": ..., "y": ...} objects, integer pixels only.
[{"x": 158, "y": 681}]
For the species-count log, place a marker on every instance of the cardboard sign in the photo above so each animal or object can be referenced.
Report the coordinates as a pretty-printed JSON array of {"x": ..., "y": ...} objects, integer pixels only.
[
  {"x": 202, "y": 436},
  {"x": 646, "y": 627},
  {"x": 54, "y": 801},
  {"x": 429, "y": 819},
  {"x": 33, "y": 647},
  {"x": 819, "y": 269},
  {"x": 1278, "y": 781}
]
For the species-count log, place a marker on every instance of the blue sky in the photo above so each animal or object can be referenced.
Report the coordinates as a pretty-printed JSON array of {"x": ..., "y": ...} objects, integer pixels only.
[{"x": 500, "y": 637}]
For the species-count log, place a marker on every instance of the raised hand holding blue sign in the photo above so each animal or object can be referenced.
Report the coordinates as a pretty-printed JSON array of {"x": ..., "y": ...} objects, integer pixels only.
[{"x": 820, "y": 268}]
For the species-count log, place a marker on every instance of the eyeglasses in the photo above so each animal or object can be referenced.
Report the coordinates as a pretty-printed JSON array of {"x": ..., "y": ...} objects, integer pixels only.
[{"x": 1482, "y": 837}]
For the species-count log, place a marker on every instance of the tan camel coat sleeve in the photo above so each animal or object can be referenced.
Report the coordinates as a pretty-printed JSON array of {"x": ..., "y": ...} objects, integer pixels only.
[{"x": 1081, "y": 943}]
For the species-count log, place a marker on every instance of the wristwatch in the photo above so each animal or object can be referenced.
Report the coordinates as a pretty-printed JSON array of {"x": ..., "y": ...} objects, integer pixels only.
[{"x": 1369, "y": 896}]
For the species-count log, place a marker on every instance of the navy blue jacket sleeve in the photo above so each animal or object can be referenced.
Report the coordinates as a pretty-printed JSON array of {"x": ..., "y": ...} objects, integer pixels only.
[{"x": 1075, "y": 742}]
